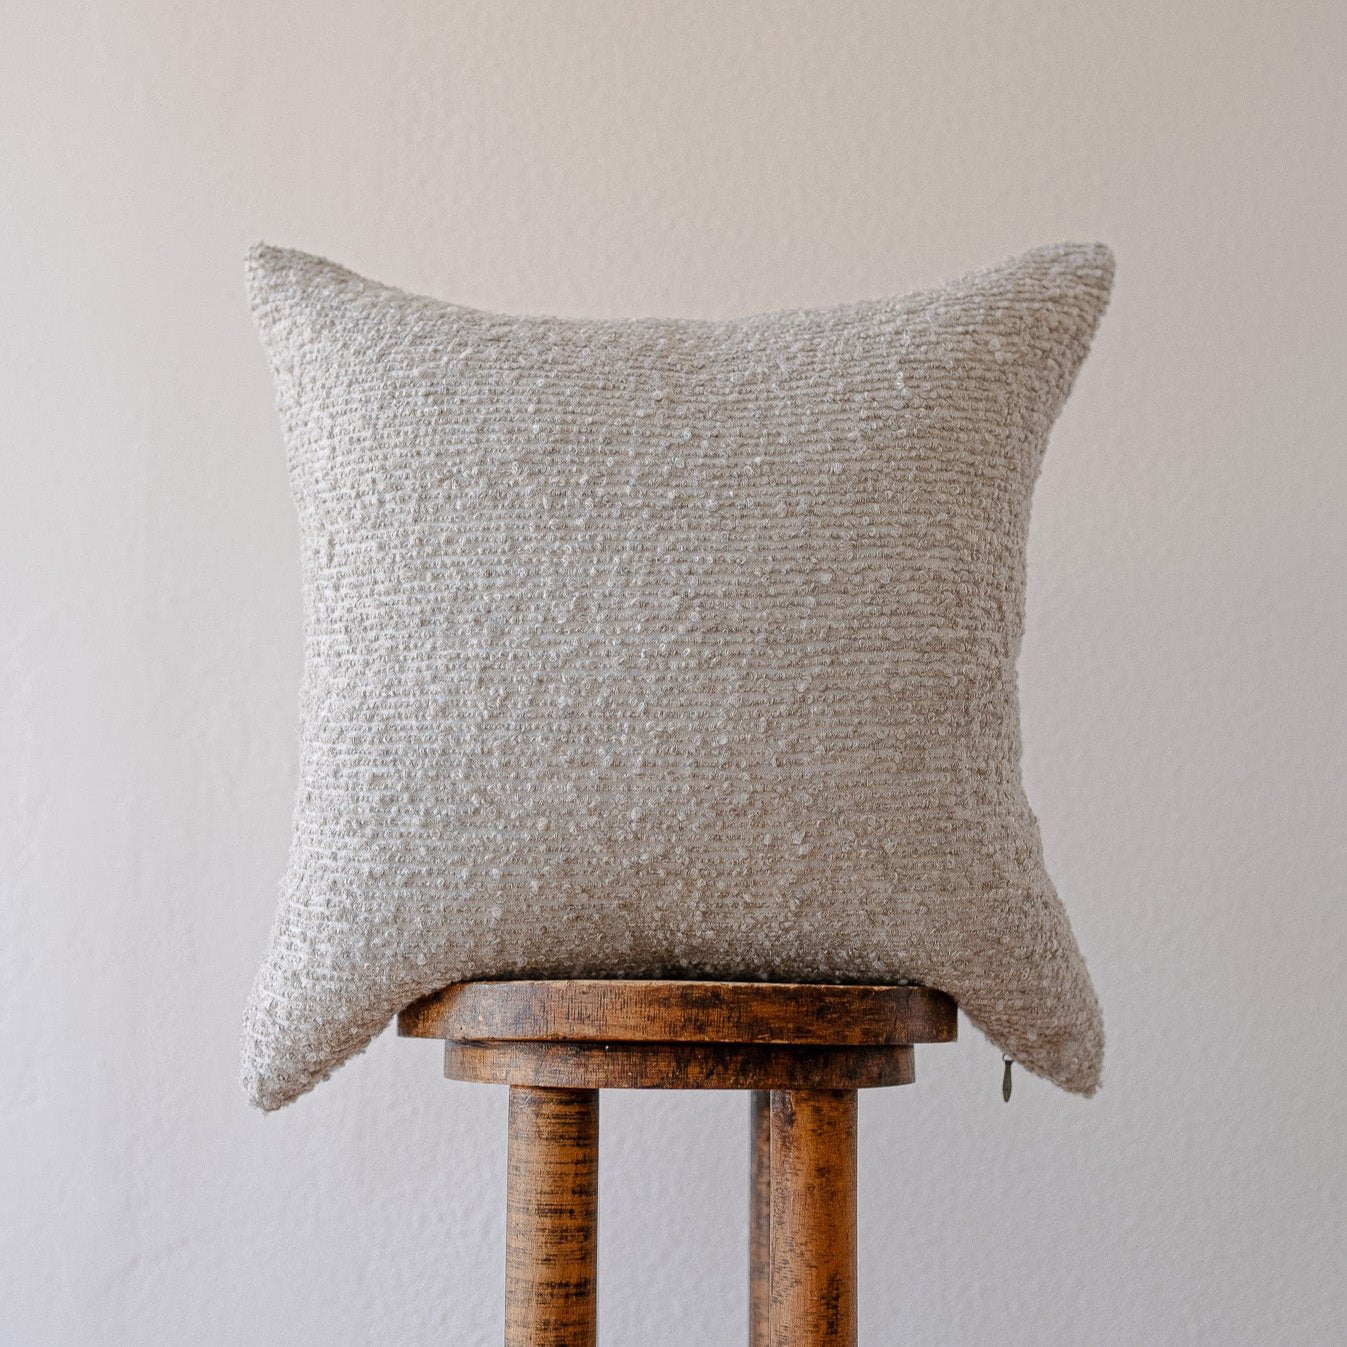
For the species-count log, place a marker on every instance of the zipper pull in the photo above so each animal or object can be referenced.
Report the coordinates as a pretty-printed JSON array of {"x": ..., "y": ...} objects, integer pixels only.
[{"x": 1005, "y": 1078}]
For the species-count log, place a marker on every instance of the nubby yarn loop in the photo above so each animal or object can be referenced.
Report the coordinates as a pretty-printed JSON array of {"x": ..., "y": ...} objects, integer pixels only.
[{"x": 667, "y": 648}]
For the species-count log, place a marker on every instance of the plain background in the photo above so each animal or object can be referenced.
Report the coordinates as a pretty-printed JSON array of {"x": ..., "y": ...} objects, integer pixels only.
[{"x": 1182, "y": 674}]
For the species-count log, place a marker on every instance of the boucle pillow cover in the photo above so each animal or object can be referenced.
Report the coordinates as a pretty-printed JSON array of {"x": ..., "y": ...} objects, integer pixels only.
[{"x": 666, "y": 648}]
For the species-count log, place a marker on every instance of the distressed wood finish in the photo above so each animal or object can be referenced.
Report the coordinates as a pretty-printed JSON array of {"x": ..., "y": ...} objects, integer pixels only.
[
  {"x": 551, "y": 1239},
  {"x": 760, "y": 1221},
  {"x": 678, "y": 1066},
  {"x": 804, "y": 1051},
  {"x": 813, "y": 1229},
  {"x": 622, "y": 1011}
]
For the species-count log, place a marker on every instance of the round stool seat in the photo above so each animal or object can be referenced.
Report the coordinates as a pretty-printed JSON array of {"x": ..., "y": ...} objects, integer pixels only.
[
  {"x": 684, "y": 1035},
  {"x": 638, "y": 1011}
]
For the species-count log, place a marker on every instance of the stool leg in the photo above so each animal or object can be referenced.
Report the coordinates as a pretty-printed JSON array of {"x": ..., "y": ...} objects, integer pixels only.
[
  {"x": 813, "y": 1235},
  {"x": 551, "y": 1218},
  {"x": 760, "y": 1221}
]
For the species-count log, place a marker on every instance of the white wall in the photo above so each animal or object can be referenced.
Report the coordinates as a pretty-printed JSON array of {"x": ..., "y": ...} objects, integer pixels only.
[{"x": 1182, "y": 675}]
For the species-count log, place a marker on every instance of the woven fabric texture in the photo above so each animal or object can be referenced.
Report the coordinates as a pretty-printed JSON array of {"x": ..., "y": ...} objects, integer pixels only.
[{"x": 666, "y": 648}]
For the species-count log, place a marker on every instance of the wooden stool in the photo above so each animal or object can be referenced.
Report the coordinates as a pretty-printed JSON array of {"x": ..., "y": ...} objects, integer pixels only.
[{"x": 803, "y": 1049}]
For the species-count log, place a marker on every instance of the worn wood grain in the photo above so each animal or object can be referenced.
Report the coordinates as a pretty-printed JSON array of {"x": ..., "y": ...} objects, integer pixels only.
[
  {"x": 813, "y": 1226},
  {"x": 551, "y": 1241},
  {"x": 803, "y": 1049},
  {"x": 760, "y": 1220},
  {"x": 624, "y": 1011},
  {"x": 678, "y": 1066}
]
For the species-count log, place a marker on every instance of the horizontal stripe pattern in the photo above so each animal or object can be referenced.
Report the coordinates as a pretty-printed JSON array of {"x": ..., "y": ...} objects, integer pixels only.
[{"x": 666, "y": 648}]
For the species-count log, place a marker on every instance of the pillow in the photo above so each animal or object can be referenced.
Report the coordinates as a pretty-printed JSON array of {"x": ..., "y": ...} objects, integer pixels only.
[{"x": 666, "y": 648}]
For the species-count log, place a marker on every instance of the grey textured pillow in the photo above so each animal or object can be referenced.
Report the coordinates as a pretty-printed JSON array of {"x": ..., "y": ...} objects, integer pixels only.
[{"x": 666, "y": 648}]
